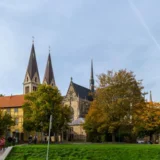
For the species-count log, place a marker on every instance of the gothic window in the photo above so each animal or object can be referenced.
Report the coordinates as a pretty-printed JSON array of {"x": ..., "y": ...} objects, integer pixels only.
[
  {"x": 34, "y": 88},
  {"x": 72, "y": 110},
  {"x": 84, "y": 107},
  {"x": 27, "y": 89},
  {"x": 35, "y": 79},
  {"x": 27, "y": 79}
]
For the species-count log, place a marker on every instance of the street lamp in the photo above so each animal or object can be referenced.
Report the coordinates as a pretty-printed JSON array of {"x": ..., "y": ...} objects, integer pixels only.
[{"x": 41, "y": 124}]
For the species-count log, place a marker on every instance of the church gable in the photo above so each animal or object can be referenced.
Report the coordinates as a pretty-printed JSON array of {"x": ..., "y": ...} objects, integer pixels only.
[
  {"x": 35, "y": 78},
  {"x": 27, "y": 78},
  {"x": 71, "y": 93}
]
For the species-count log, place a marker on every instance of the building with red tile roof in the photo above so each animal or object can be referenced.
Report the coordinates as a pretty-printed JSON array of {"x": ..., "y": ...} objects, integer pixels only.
[{"x": 11, "y": 101}]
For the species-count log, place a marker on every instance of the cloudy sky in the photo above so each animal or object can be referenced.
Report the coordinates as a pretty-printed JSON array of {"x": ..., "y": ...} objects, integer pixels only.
[{"x": 116, "y": 34}]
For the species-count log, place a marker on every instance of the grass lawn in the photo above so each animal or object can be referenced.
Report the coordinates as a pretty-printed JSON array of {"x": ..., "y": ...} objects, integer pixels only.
[{"x": 86, "y": 152}]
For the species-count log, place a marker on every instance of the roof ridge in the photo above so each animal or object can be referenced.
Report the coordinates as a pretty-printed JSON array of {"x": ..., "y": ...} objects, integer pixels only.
[
  {"x": 12, "y": 95},
  {"x": 80, "y": 86}
]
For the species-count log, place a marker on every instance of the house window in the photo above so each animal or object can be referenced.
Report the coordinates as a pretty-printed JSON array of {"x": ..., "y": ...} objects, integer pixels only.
[
  {"x": 16, "y": 121},
  {"x": 27, "y": 89},
  {"x": 34, "y": 88},
  {"x": 84, "y": 107},
  {"x": 16, "y": 110},
  {"x": 8, "y": 110}
]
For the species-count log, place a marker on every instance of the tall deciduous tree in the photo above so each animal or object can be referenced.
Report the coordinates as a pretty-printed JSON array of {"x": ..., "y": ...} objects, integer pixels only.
[
  {"x": 5, "y": 122},
  {"x": 38, "y": 107},
  {"x": 117, "y": 100}
]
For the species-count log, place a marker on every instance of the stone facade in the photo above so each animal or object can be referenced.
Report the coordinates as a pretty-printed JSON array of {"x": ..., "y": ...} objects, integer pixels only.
[{"x": 80, "y": 107}]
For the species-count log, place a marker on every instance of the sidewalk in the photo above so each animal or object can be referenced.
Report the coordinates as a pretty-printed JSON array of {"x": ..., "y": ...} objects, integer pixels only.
[
  {"x": 4, "y": 153},
  {"x": 1, "y": 152}
]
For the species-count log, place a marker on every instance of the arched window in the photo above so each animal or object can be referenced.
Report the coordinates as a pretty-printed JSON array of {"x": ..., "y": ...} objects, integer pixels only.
[
  {"x": 27, "y": 79},
  {"x": 35, "y": 79}
]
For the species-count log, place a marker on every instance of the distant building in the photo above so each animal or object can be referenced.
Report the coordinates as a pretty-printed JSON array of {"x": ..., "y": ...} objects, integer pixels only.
[{"x": 13, "y": 105}]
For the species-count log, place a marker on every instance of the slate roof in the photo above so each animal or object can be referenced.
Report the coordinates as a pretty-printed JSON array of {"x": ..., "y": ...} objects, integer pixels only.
[
  {"x": 82, "y": 92},
  {"x": 49, "y": 76},
  {"x": 11, "y": 101},
  {"x": 32, "y": 65}
]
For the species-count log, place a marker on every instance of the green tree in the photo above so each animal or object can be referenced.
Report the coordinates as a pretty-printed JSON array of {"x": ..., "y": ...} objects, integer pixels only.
[
  {"x": 117, "y": 99},
  {"x": 5, "y": 122},
  {"x": 38, "y": 107}
]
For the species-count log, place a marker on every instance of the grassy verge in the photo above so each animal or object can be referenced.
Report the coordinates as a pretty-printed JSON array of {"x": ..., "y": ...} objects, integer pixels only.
[{"x": 86, "y": 152}]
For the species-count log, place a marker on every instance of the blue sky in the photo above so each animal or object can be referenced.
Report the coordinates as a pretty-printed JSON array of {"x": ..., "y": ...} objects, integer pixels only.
[{"x": 108, "y": 31}]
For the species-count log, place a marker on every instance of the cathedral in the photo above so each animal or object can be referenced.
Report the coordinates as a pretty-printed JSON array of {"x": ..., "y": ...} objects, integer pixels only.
[{"x": 77, "y": 97}]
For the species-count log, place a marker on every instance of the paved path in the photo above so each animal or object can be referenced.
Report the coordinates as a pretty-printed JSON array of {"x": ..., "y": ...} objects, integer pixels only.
[{"x": 3, "y": 154}]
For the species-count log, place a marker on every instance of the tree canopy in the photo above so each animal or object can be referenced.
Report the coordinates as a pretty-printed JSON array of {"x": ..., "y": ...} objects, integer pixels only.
[
  {"x": 148, "y": 122},
  {"x": 5, "y": 122},
  {"x": 40, "y": 104},
  {"x": 118, "y": 99}
]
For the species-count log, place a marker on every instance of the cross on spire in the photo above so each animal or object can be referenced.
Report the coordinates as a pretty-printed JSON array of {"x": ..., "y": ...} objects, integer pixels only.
[
  {"x": 32, "y": 39},
  {"x": 49, "y": 49}
]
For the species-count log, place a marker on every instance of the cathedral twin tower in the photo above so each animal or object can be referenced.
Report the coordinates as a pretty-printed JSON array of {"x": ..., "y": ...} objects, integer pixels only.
[{"x": 32, "y": 79}]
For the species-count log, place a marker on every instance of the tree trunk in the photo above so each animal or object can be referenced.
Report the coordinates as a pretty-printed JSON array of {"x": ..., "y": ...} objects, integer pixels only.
[
  {"x": 113, "y": 137},
  {"x": 150, "y": 136},
  {"x": 56, "y": 137},
  {"x": 62, "y": 137}
]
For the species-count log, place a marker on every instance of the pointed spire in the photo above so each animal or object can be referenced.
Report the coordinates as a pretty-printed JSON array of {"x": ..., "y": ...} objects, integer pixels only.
[
  {"x": 49, "y": 75},
  {"x": 150, "y": 97},
  {"x": 92, "y": 78},
  {"x": 91, "y": 69},
  {"x": 32, "y": 68}
]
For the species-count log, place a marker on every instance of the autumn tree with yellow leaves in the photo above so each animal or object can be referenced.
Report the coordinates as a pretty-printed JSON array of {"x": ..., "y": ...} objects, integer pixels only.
[
  {"x": 117, "y": 101},
  {"x": 148, "y": 121}
]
